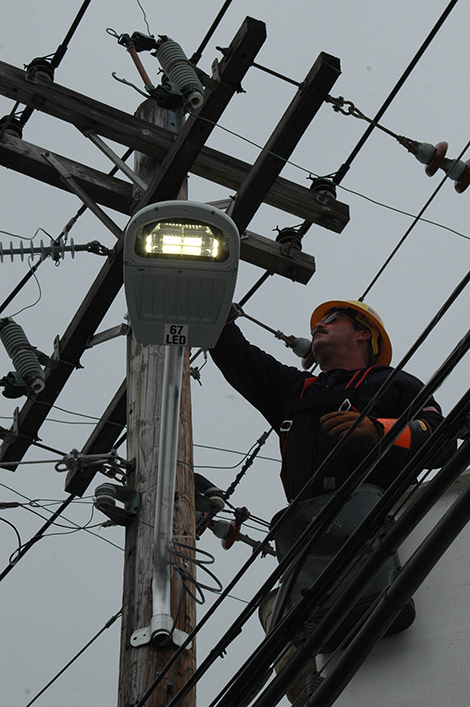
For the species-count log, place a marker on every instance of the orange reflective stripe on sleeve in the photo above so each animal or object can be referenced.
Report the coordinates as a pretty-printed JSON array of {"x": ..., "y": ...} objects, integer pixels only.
[{"x": 404, "y": 440}]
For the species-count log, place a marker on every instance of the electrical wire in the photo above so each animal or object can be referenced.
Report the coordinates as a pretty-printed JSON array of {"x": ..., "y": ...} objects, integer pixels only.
[
  {"x": 18, "y": 536},
  {"x": 108, "y": 624},
  {"x": 382, "y": 448},
  {"x": 41, "y": 532},
  {"x": 58, "y": 55},
  {"x": 409, "y": 229},
  {"x": 96, "y": 418},
  {"x": 27, "y": 546},
  {"x": 340, "y": 186},
  {"x": 78, "y": 414},
  {"x": 346, "y": 165},
  {"x": 188, "y": 578},
  {"x": 145, "y": 18},
  {"x": 234, "y": 451},
  {"x": 63, "y": 235},
  {"x": 198, "y": 53}
]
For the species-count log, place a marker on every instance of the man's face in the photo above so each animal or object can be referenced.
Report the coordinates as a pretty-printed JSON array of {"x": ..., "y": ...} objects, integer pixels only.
[{"x": 334, "y": 331}]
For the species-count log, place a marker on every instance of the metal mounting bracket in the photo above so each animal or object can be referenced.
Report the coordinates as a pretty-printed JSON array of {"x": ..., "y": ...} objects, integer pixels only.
[
  {"x": 106, "y": 496},
  {"x": 161, "y": 632}
]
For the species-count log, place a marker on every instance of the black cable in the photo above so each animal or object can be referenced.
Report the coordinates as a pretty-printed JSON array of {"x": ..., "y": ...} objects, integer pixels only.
[
  {"x": 341, "y": 173},
  {"x": 198, "y": 53},
  {"x": 21, "y": 284},
  {"x": 58, "y": 56},
  {"x": 49, "y": 449},
  {"x": 198, "y": 562},
  {"x": 255, "y": 287},
  {"x": 108, "y": 624},
  {"x": 249, "y": 461},
  {"x": 60, "y": 51},
  {"x": 316, "y": 592},
  {"x": 408, "y": 231},
  {"x": 37, "y": 536},
  {"x": 18, "y": 536},
  {"x": 331, "y": 508}
]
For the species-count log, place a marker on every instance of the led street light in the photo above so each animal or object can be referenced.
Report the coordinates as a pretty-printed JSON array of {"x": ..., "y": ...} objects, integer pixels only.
[{"x": 180, "y": 267}]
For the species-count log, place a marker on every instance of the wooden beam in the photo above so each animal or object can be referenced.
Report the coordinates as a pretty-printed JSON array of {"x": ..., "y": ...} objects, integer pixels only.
[
  {"x": 28, "y": 159},
  {"x": 298, "y": 116},
  {"x": 117, "y": 194},
  {"x": 86, "y": 113},
  {"x": 71, "y": 346}
]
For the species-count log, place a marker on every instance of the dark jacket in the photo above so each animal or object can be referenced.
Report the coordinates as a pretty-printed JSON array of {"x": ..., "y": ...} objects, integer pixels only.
[{"x": 292, "y": 401}]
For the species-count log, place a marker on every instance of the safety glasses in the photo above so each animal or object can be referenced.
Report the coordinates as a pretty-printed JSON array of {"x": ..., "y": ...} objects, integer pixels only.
[{"x": 328, "y": 318}]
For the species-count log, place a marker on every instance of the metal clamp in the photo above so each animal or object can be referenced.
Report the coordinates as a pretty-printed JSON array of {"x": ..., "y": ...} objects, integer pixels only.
[
  {"x": 110, "y": 464},
  {"x": 105, "y": 499},
  {"x": 161, "y": 632}
]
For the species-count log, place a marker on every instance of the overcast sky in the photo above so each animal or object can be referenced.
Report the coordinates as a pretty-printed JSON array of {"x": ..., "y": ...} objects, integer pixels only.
[{"x": 66, "y": 588}]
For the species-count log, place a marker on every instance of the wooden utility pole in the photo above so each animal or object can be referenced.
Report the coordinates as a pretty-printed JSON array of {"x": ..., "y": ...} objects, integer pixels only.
[{"x": 140, "y": 665}]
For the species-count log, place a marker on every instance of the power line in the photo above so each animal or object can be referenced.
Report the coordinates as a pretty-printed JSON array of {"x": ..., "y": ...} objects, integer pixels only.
[
  {"x": 341, "y": 173},
  {"x": 198, "y": 53},
  {"x": 371, "y": 458},
  {"x": 58, "y": 55},
  {"x": 408, "y": 231},
  {"x": 27, "y": 546},
  {"x": 108, "y": 624}
]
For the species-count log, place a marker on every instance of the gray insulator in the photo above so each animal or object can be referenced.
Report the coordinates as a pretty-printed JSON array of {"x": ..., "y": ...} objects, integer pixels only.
[
  {"x": 302, "y": 347},
  {"x": 456, "y": 171},
  {"x": 56, "y": 250},
  {"x": 425, "y": 152},
  {"x": 179, "y": 71},
  {"x": 22, "y": 354}
]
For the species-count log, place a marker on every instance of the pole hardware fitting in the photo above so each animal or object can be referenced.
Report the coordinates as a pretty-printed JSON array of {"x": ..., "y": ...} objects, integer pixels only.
[
  {"x": 105, "y": 499},
  {"x": 433, "y": 156},
  {"x": 109, "y": 464},
  {"x": 13, "y": 433},
  {"x": 10, "y": 125},
  {"x": 40, "y": 69},
  {"x": 160, "y": 632},
  {"x": 299, "y": 345},
  {"x": 56, "y": 357}
]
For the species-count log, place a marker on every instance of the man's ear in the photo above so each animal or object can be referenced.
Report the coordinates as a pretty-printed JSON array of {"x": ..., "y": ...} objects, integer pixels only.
[
  {"x": 363, "y": 334},
  {"x": 308, "y": 360}
]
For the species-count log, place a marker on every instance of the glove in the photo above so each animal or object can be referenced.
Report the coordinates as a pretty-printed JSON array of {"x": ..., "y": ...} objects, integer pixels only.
[{"x": 336, "y": 424}]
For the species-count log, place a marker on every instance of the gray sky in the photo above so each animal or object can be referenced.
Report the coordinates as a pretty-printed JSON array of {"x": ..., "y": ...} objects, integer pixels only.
[{"x": 69, "y": 585}]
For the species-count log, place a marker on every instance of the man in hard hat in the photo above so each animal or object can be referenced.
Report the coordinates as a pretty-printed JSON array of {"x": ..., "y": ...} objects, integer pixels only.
[{"x": 311, "y": 413}]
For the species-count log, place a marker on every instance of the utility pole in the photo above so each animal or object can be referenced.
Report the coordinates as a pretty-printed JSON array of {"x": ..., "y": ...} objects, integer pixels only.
[{"x": 140, "y": 665}]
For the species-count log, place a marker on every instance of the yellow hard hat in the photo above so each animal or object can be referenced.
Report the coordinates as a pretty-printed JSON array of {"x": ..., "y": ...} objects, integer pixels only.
[{"x": 366, "y": 316}]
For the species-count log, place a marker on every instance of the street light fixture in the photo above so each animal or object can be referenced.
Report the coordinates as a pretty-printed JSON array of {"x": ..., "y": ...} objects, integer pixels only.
[{"x": 180, "y": 267}]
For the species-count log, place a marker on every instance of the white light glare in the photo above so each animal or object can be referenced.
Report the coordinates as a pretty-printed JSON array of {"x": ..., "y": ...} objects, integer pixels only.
[{"x": 205, "y": 245}]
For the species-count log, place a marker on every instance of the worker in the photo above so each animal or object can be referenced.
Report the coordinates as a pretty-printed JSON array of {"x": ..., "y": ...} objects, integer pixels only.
[{"x": 312, "y": 412}]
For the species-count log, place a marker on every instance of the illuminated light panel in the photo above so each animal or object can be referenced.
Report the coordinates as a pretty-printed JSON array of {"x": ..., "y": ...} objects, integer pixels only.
[{"x": 163, "y": 239}]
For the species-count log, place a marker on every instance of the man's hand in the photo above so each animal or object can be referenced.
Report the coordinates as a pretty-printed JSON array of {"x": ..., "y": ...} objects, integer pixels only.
[{"x": 336, "y": 424}]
